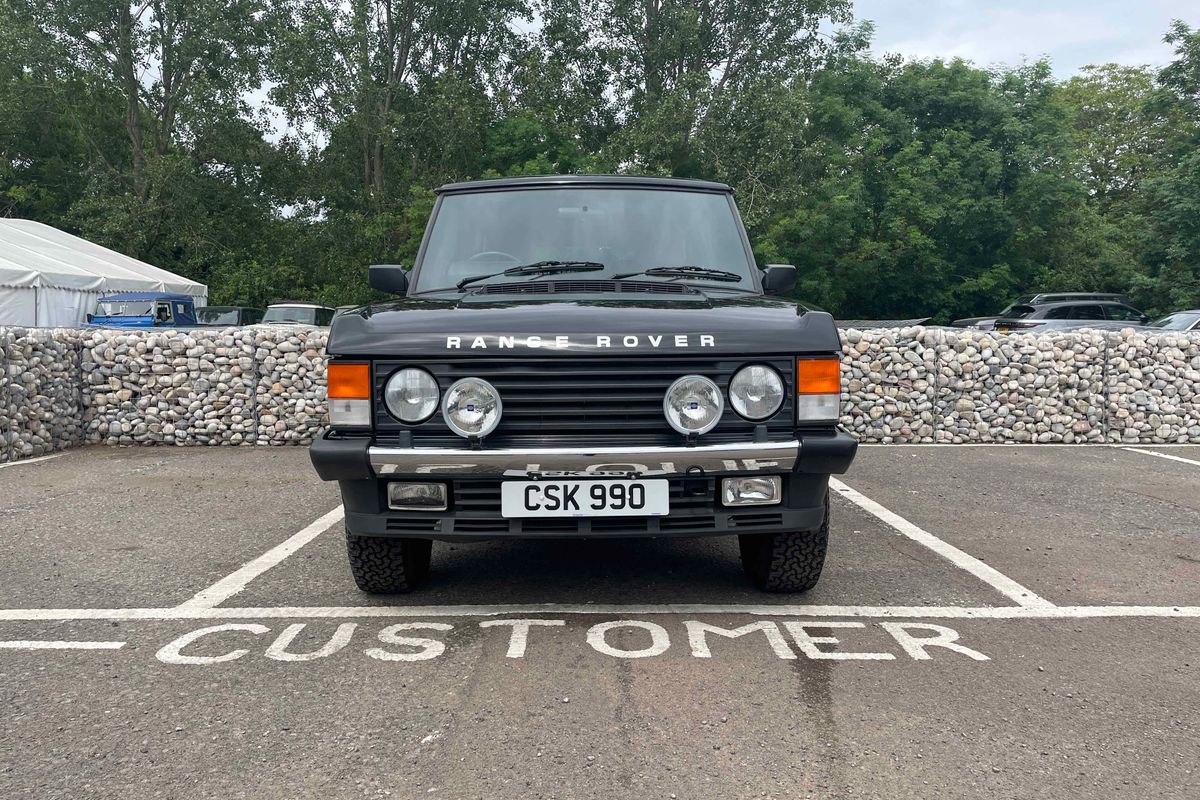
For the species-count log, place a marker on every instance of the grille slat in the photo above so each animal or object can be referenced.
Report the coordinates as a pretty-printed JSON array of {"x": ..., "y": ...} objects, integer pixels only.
[{"x": 548, "y": 402}]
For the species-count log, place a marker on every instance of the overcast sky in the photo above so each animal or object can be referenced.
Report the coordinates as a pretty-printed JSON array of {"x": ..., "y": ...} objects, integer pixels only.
[{"x": 1072, "y": 33}]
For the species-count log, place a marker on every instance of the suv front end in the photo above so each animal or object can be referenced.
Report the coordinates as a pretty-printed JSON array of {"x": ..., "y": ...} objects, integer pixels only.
[{"x": 585, "y": 407}]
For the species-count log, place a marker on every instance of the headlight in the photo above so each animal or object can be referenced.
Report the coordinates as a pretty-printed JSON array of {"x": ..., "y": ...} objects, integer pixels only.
[
  {"x": 472, "y": 407},
  {"x": 693, "y": 404},
  {"x": 411, "y": 395},
  {"x": 756, "y": 392}
]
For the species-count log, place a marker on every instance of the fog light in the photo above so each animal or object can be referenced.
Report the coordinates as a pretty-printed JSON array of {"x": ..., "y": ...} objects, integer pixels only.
[
  {"x": 416, "y": 496},
  {"x": 766, "y": 491},
  {"x": 818, "y": 407},
  {"x": 349, "y": 413}
]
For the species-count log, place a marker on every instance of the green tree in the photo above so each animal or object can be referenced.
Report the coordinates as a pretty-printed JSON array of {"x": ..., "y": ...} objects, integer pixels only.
[
  {"x": 677, "y": 64},
  {"x": 353, "y": 72}
]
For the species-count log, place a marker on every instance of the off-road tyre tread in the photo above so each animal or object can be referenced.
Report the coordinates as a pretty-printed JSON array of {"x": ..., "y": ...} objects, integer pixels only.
[
  {"x": 388, "y": 566},
  {"x": 788, "y": 561}
]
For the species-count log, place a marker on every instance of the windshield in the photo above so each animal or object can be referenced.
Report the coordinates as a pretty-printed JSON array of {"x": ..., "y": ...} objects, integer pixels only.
[
  {"x": 217, "y": 316},
  {"x": 305, "y": 316},
  {"x": 125, "y": 308},
  {"x": 625, "y": 230},
  {"x": 299, "y": 314},
  {"x": 1176, "y": 322}
]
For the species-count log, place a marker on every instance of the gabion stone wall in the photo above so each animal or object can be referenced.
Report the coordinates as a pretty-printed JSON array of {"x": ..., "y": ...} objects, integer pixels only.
[
  {"x": 204, "y": 387},
  {"x": 39, "y": 392},
  {"x": 266, "y": 386},
  {"x": 290, "y": 389},
  {"x": 169, "y": 387},
  {"x": 933, "y": 385},
  {"x": 1151, "y": 388}
]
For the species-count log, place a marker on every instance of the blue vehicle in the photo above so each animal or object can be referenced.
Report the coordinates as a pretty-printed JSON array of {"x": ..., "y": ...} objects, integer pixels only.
[{"x": 144, "y": 310}]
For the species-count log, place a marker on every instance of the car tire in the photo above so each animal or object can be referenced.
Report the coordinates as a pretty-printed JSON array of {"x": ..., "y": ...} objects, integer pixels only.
[
  {"x": 788, "y": 561},
  {"x": 388, "y": 566}
]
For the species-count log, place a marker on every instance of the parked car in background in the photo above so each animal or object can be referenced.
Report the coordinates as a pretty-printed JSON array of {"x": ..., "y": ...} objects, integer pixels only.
[
  {"x": 1179, "y": 321},
  {"x": 1069, "y": 316},
  {"x": 289, "y": 313},
  {"x": 144, "y": 310},
  {"x": 226, "y": 316},
  {"x": 1036, "y": 300}
]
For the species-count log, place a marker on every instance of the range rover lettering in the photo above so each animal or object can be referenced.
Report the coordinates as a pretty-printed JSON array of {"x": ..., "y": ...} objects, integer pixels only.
[{"x": 584, "y": 356}]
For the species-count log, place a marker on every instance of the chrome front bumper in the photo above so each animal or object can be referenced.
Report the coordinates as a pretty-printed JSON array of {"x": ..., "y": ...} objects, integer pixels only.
[{"x": 658, "y": 461}]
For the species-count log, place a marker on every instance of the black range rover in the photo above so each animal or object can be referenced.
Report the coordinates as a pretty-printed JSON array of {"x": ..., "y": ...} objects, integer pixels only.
[{"x": 584, "y": 357}]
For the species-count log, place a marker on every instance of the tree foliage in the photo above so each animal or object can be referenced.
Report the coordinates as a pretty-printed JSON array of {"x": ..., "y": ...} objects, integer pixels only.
[{"x": 275, "y": 149}]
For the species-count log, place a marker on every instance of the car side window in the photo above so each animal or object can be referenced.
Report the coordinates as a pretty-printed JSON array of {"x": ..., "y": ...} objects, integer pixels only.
[
  {"x": 162, "y": 312},
  {"x": 1087, "y": 312},
  {"x": 324, "y": 317},
  {"x": 1123, "y": 313},
  {"x": 1062, "y": 312}
]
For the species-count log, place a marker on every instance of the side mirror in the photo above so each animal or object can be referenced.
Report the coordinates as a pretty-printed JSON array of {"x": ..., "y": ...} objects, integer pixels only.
[
  {"x": 779, "y": 278},
  {"x": 388, "y": 278},
  {"x": 91, "y": 317}
]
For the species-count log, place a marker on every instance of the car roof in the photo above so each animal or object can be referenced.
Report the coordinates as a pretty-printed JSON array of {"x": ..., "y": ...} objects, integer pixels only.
[
  {"x": 1075, "y": 294},
  {"x": 568, "y": 181},
  {"x": 289, "y": 304},
  {"x": 1058, "y": 303}
]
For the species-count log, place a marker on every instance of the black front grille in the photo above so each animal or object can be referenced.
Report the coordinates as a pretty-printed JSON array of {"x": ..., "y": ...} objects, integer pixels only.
[{"x": 589, "y": 401}]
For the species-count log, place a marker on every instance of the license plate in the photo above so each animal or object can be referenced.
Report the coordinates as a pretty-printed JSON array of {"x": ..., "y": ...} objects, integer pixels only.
[{"x": 598, "y": 498}]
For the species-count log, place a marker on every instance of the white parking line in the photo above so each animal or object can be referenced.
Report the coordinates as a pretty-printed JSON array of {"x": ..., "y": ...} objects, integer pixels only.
[
  {"x": 1191, "y": 461},
  {"x": 230, "y": 585},
  {"x": 181, "y": 613},
  {"x": 40, "y": 645},
  {"x": 22, "y": 461},
  {"x": 994, "y": 578}
]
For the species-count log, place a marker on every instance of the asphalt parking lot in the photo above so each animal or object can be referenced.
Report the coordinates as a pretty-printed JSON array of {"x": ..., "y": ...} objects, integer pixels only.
[{"x": 992, "y": 622}]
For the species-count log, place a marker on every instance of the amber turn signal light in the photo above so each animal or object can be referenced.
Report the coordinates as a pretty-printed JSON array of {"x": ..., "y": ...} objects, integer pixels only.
[
  {"x": 349, "y": 381},
  {"x": 818, "y": 376}
]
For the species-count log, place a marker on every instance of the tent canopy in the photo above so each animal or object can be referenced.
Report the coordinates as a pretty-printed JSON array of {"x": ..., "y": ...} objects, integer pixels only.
[{"x": 50, "y": 278}]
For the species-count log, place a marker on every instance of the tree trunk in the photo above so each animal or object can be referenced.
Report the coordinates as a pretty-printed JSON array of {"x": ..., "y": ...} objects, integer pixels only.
[
  {"x": 651, "y": 69},
  {"x": 127, "y": 76}
]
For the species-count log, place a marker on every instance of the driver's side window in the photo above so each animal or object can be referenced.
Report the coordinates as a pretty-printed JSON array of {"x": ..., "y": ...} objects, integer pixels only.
[
  {"x": 162, "y": 312},
  {"x": 1123, "y": 313}
]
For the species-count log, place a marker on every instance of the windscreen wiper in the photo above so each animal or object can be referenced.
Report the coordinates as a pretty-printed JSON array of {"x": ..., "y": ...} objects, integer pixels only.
[
  {"x": 537, "y": 268},
  {"x": 687, "y": 271}
]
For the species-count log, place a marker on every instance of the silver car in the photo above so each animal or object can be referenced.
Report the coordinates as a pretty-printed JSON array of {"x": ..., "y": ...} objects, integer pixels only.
[
  {"x": 1070, "y": 315},
  {"x": 1178, "y": 321}
]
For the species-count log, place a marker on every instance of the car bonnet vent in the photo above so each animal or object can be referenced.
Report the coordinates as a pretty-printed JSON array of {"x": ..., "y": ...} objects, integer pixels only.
[{"x": 585, "y": 287}]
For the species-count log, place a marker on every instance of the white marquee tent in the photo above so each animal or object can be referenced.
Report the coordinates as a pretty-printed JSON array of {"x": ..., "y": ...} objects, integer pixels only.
[{"x": 51, "y": 279}]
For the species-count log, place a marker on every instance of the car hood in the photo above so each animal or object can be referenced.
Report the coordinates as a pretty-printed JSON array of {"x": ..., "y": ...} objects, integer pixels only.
[
  {"x": 467, "y": 327},
  {"x": 968, "y": 322},
  {"x": 122, "y": 321}
]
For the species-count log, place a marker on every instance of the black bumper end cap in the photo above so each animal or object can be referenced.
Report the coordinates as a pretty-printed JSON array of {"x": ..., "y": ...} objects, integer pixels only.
[
  {"x": 337, "y": 459},
  {"x": 828, "y": 453}
]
